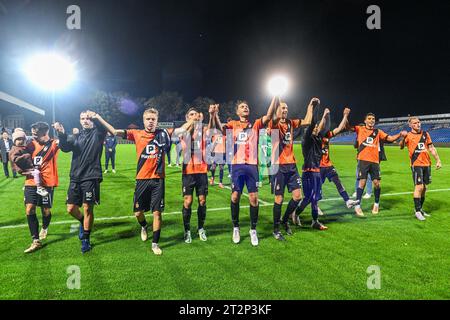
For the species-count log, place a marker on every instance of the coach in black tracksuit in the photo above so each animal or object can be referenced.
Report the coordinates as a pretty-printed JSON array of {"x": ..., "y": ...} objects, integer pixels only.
[
  {"x": 110, "y": 152},
  {"x": 85, "y": 170}
]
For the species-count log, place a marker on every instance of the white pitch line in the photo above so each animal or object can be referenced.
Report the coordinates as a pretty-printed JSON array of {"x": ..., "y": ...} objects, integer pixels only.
[
  {"x": 212, "y": 209},
  {"x": 264, "y": 203}
]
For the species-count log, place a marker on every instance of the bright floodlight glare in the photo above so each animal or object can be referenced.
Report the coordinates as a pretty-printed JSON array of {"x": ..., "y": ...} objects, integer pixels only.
[
  {"x": 278, "y": 85},
  {"x": 49, "y": 71}
]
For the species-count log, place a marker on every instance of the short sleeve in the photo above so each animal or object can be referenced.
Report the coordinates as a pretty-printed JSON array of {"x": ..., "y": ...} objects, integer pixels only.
[
  {"x": 356, "y": 129},
  {"x": 407, "y": 139},
  {"x": 383, "y": 135},
  {"x": 131, "y": 134},
  {"x": 429, "y": 141},
  {"x": 296, "y": 123},
  {"x": 258, "y": 125}
]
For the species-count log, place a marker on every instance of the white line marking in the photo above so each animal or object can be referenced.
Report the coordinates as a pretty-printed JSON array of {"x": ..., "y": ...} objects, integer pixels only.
[
  {"x": 212, "y": 209},
  {"x": 74, "y": 227},
  {"x": 264, "y": 203}
]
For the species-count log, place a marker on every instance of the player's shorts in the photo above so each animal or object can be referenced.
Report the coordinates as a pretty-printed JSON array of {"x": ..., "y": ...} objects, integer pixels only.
[
  {"x": 197, "y": 181},
  {"x": 31, "y": 197},
  {"x": 327, "y": 173},
  {"x": 421, "y": 175},
  {"x": 244, "y": 174},
  {"x": 366, "y": 167},
  {"x": 286, "y": 176},
  {"x": 84, "y": 192},
  {"x": 312, "y": 186},
  {"x": 149, "y": 195}
]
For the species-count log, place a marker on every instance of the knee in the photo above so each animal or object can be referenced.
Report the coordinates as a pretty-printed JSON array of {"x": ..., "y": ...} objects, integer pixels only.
[
  {"x": 376, "y": 184},
  {"x": 202, "y": 202},
  {"x": 420, "y": 188},
  {"x": 253, "y": 197},
  {"x": 187, "y": 203},
  {"x": 235, "y": 197},
  {"x": 278, "y": 199},
  {"x": 71, "y": 208}
]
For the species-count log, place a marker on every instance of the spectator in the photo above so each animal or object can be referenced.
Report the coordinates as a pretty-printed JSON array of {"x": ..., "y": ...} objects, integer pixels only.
[
  {"x": 5, "y": 146},
  {"x": 110, "y": 152}
]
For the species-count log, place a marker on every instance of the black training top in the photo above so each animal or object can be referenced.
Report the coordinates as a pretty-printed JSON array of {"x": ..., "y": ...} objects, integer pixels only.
[
  {"x": 86, "y": 147},
  {"x": 312, "y": 150}
]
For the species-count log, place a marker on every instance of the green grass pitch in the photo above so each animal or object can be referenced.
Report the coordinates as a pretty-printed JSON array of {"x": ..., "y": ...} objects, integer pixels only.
[{"x": 413, "y": 256}]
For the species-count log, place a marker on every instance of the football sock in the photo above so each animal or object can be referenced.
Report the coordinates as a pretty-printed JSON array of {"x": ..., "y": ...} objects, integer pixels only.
[
  {"x": 302, "y": 206},
  {"x": 33, "y": 224},
  {"x": 46, "y": 220},
  {"x": 235, "y": 214},
  {"x": 276, "y": 216},
  {"x": 292, "y": 205},
  {"x": 187, "y": 218},
  {"x": 86, "y": 234},
  {"x": 377, "y": 193},
  {"x": 315, "y": 210},
  {"x": 201, "y": 214},
  {"x": 340, "y": 188},
  {"x": 253, "y": 216},
  {"x": 156, "y": 235},
  {"x": 417, "y": 204},
  {"x": 422, "y": 200},
  {"x": 143, "y": 223},
  {"x": 221, "y": 175},
  {"x": 359, "y": 193},
  {"x": 213, "y": 173}
]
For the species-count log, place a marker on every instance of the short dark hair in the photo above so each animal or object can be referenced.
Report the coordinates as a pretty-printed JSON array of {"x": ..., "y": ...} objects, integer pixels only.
[
  {"x": 239, "y": 102},
  {"x": 370, "y": 114},
  {"x": 191, "y": 109},
  {"x": 40, "y": 126}
]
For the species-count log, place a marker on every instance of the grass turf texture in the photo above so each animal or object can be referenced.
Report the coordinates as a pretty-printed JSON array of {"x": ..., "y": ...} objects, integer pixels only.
[{"x": 413, "y": 255}]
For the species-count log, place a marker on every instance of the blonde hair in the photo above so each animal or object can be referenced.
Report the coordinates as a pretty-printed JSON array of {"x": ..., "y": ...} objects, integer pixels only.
[
  {"x": 151, "y": 110},
  {"x": 412, "y": 118}
]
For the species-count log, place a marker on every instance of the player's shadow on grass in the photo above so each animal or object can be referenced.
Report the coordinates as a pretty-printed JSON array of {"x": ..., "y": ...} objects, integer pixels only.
[{"x": 18, "y": 221}]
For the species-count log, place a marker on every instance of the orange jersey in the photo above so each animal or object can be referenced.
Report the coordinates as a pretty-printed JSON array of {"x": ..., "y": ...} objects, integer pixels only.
[
  {"x": 283, "y": 149},
  {"x": 369, "y": 143},
  {"x": 418, "y": 146},
  {"x": 44, "y": 158},
  {"x": 325, "y": 161},
  {"x": 244, "y": 140},
  {"x": 194, "y": 149},
  {"x": 150, "y": 152},
  {"x": 218, "y": 141}
]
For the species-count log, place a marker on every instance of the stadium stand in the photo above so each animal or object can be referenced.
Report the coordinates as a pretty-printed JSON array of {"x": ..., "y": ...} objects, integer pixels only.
[{"x": 437, "y": 125}]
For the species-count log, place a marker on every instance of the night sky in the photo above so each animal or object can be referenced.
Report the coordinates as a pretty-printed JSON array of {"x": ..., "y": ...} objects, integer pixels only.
[{"x": 226, "y": 50}]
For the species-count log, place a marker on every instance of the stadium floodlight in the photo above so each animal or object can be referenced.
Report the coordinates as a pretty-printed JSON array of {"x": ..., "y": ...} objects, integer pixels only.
[
  {"x": 278, "y": 85},
  {"x": 50, "y": 71}
]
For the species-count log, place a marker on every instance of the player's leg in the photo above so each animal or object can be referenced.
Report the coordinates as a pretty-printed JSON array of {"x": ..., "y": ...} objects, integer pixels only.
[
  {"x": 315, "y": 196},
  {"x": 157, "y": 220},
  {"x": 33, "y": 225},
  {"x": 374, "y": 172},
  {"x": 141, "y": 204},
  {"x": 213, "y": 172},
  {"x": 188, "y": 184},
  {"x": 277, "y": 185},
  {"x": 202, "y": 192},
  {"x": 91, "y": 196},
  {"x": 333, "y": 176},
  {"x": 221, "y": 168},
  {"x": 251, "y": 181},
  {"x": 107, "y": 159},
  {"x": 426, "y": 181},
  {"x": 237, "y": 184},
  {"x": 363, "y": 170},
  {"x": 157, "y": 207},
  {"x": 418, "y": 190},
  {"x": 113, "y": 161},
  {"x": 46, "y": 218}
]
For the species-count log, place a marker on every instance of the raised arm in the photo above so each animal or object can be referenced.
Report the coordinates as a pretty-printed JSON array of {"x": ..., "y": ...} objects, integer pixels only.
[
  {"x": 64, "y": 144},
  {"x": 343, "y": 123},
  {"x": 434, "y": 152},
  {"x": 271, "y": 111},
  {"x": 394, "y": 137},
  {"x": 96, "y": 117},
  {"x": 184, "y": 128},
  {"x": 309, "y": 111},
  {"x": 326, "y": 112}
]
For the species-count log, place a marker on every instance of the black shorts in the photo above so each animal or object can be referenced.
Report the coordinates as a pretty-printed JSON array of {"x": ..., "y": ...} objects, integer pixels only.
[
  {"x": 421, "y": 175},
  {"x": 366, "y": 167},
  {"x": 31, "y": 197},
  {"x": 327, "y": 173},
  {"x": 197, "y": 181},
  {"x": 286, "y": 176},
  {"x": 84, "y": 192},
  {"x": 149, "y": 195}
]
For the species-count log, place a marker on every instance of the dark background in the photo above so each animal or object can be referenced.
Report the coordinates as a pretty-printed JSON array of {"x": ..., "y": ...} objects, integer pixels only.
[{"x": 226, "y": 50}]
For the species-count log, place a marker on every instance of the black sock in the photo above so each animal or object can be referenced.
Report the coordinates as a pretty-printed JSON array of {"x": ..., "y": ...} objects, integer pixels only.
[
  {"x": 377, "y": 193},
  {"x": 417, "y": 204},
  {"x": 422, "y": 200},
  {"x": 33, "y": 224},
  {"x": 315, "y": 211},
  {"x": 187, "y": 218},
  {"x": 46, "y": 220},
  {"x": 235, "y": 214},
  {"x": 253, "y": 216},
  {"x": 143, "y": 223},
  {"x": 86, "y": 234},
  {"x": 276, "y": 216},
  {"x": 340, "y": 188},
  {"x": 213, "y": 173},
  {"x": 201, "y": 214},
  {"x": 156, "y": 235},
  {"x": 221, "y": 175},
  {"x": 301, "y": 207},
  {"x": 359, "y": 193},
  {"x": 292, "y": 205}
]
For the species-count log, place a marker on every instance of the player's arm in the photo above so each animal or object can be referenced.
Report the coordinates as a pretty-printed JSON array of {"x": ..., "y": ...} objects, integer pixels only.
[
  {"x": 326, "y": 112},
  {"x": 212, "y": 116},
  {"x": 66, "y": 145},
  {"x": 403, "y": 142},
  {"x": 99, "y": 120},
  {"x": 343, "y": 123},
  {"x": 274, "y": 104},
  {"x": 435, "y": 154},
  {"x": 393, "y": 138},
  {"x": 309, "y": 112},
  {"x": 184, "y": 128}
]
